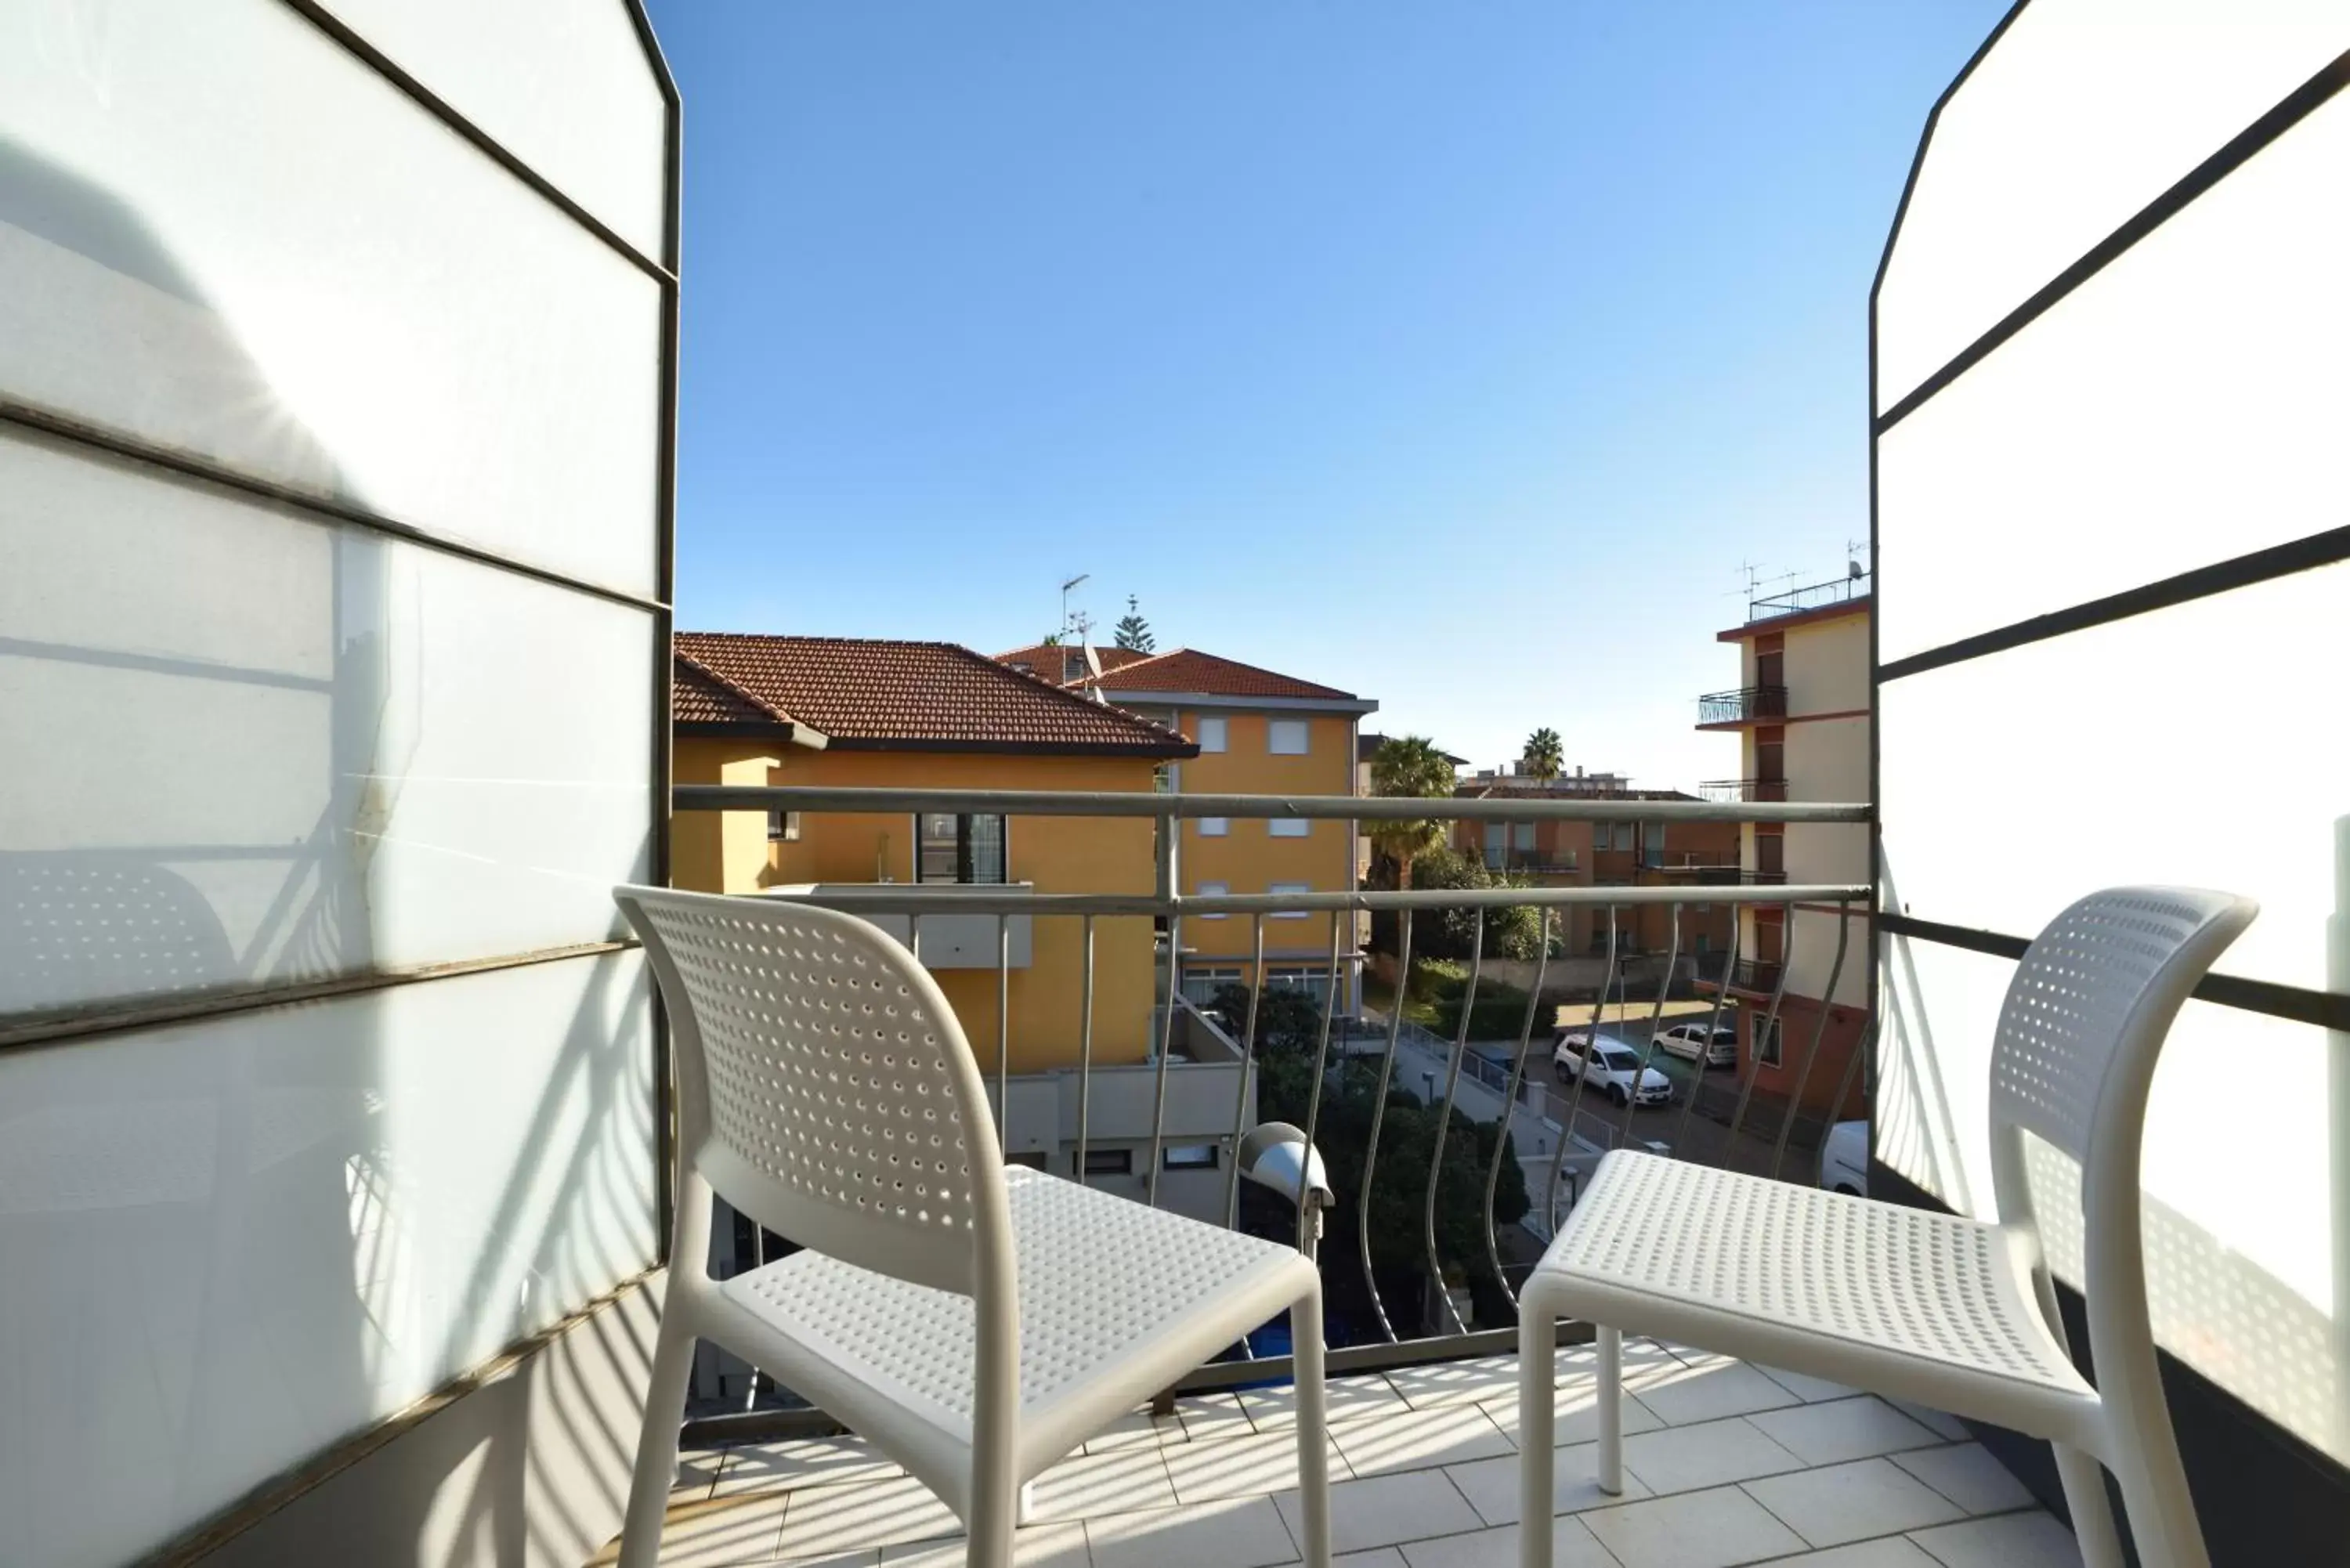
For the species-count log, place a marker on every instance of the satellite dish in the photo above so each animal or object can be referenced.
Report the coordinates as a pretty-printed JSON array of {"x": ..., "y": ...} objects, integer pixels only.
[{"x": 1853, "y": 571}]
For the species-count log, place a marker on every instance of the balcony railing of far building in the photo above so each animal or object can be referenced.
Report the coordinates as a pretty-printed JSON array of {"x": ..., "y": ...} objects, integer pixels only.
[
  {"x": 1735, "y": 1126},
  {"x": 1852, "y": 585},
  {"x": 1744, "y": 705},
  {"x": 1743, "y": 789}
]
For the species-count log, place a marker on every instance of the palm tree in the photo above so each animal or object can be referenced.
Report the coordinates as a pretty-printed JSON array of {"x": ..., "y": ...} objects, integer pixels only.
[
  {"x": 1408, "y": 768},
  {"x": 1544, "y": 759}
]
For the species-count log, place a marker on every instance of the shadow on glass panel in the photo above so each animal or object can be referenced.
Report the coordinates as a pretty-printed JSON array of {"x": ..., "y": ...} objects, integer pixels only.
[{"x": 229, "y": 1240}]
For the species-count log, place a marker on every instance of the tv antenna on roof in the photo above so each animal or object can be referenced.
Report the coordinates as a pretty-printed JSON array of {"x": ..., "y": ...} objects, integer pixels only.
[{"x": 1073, "y": 582}]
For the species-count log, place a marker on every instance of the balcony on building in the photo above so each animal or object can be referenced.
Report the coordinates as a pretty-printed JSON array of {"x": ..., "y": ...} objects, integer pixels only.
[{"x": 1740, "y": 707}]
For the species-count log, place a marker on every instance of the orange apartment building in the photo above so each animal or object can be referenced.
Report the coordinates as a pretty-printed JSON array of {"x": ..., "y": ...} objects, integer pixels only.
[
  {"x": 1629, "y": 851},
  {"x": 1257, "y": 732},
  {"x": 928, "y": 715},
  {"x": 1801, "y": 716}
]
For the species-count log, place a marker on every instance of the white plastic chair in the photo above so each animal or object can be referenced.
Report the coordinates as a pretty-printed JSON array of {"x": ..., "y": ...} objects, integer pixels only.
[
  {"x": 1947, "y": 1311},
  {"x": 976, "y": 1323}
]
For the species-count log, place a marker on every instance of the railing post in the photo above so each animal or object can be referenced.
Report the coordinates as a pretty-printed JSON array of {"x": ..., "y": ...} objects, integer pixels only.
[
  {"x": 1656, "y": 1018},
  {"x": 1504, "y": 1142},
  {"x": 1574, "y": 1106},
  {"x": 1378, "y": 1115},
  {"x": 1444, "y": 1121},
  {"x": 1240, "y": 1094},
  {"x": 1085, "y": 1052},
  {"x": 1819, "y": 1033},
  {"x": 1321, "y": 1067}
]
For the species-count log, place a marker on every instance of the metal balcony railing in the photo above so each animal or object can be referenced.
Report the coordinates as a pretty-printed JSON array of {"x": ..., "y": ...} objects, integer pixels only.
[
  {"x": 1757, "y": 975},
  {"x": 1810, "y": 595},
  {"x": 1532, "y": 860},
  {"x": 1743, "y": 706},
  {"x": 1743, "y": 789},
  {"x": 1564, "y": 1135}
]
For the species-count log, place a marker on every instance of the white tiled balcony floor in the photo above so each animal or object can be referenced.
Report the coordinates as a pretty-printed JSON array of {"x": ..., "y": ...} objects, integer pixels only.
[{"x": 1725, "y": 1464}]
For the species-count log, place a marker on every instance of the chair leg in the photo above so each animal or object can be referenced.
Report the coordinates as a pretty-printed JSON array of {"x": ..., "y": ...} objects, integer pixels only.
[
  {"x": 1537, "y": 1421},
  {"x": 2162, "y": 1522},
  {"x": 1611, "y": 1411},
  {"x": 656, "y": 1466},
  {"x": 2093, "y": 1517},
  {"x": 1313, "y": 1425}
]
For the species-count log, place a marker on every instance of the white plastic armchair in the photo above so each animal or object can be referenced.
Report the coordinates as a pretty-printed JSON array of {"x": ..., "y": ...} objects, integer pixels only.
[
  {"x": 1949, "y": 1312},
  {"x": 976, "y": 1323}
]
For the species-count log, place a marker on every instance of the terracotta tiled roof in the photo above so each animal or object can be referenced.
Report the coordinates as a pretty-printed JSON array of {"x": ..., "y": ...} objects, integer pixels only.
[
  {"x": 862, "y": 692},
  {"x": 699, "y": 696},
  {"x": 1048, "y": 661},
  {"x": 1189, "y": 669}
]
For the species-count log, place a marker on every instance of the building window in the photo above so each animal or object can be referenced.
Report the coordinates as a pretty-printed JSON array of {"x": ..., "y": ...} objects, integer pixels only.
[
  {"x": 1496, "y": 843},
  {"x": 1652, "y": 843},
  {"x": 1162, "y": 778},
  {"x": 1704, "y": 944},
  {"x": 1188, "y": 1156},
  {"x": 1312, "y": 978},
  {"x": 1201, "y": 985},
  {"x": 1212, "y": 733},
  {"x": 1213, "y": 890},
  {"x": 1215, "y": 826},
  {"x": 1623, "y": 835},
  {"x": 1105, "y": 1162},
  {"x": 1285, "y": 737},
  {"x": 1280, "y": 889},
  {"x": 966, "y": 848},
  {"x": 1767, "y": 1052},
  {"x": 1288, "y": 826},
  {"x": 782, "y": 828},
  {"x": 1522, "y": 835},
  {"x": 1598, "y": 835}
]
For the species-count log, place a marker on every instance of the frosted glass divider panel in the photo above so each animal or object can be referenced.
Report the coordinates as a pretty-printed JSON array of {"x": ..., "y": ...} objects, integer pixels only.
[
  {"x": 2020, "y": 183},
  {"x": 232, "y": 1243},
  {"x": 247, "y": 747},
  {"x": 2200, "y": 744},
  {"x": 2184, "y": 406},
  {"x": 563, "y": 85},
  {"x": 228, "y": 235}
]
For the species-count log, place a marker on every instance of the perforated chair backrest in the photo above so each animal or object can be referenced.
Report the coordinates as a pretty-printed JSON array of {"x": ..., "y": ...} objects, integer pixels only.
[
  {"x": 2092, "y": 1000},
  {"x": 825, "y": 1088}
]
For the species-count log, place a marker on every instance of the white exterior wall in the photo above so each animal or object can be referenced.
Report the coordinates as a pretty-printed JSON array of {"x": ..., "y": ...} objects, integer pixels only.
[
  {"x": 2182, "y": 406},
  {"x": 281, "y": 726}
]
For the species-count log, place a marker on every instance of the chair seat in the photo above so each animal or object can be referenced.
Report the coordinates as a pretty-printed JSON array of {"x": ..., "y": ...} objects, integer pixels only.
[
  {"x": 1117, "y": 1300},
  {"x": 1922, "y": 1306}
]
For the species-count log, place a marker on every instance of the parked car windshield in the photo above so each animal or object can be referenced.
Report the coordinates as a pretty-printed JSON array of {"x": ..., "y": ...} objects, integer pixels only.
[{"x": 1617, "y": 1057}]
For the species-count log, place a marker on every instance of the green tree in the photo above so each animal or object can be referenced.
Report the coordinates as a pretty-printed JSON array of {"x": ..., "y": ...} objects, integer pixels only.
[
  {"x": 1408, "y": 768},
  {"x": 1288, "y": 1019},
  {"x": 1133, "y": 632},
  {"x": 1513, "y": 933},
  {"x": 1545, "y": 758}
]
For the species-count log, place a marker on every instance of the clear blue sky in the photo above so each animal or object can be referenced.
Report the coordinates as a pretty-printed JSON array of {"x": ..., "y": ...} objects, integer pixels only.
[{"x": 1454, "y": 355}]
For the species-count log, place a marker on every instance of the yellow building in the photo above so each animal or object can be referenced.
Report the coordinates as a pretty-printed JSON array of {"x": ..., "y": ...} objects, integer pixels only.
[
  {"x": 1257, "y": 732},
  {"x": 922, "y": 715}
]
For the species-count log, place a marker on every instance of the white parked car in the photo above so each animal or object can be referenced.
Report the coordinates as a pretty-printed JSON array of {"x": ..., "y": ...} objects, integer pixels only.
[
  {"x": 1615, "y": 1063},
  {"x": 1700, "y": 1043},
  {"x": 1844, "y": 1158}
]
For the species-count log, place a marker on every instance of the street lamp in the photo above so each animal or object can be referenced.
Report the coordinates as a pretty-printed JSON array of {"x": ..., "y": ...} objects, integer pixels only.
[{"x": 1276, "y": 1155}]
